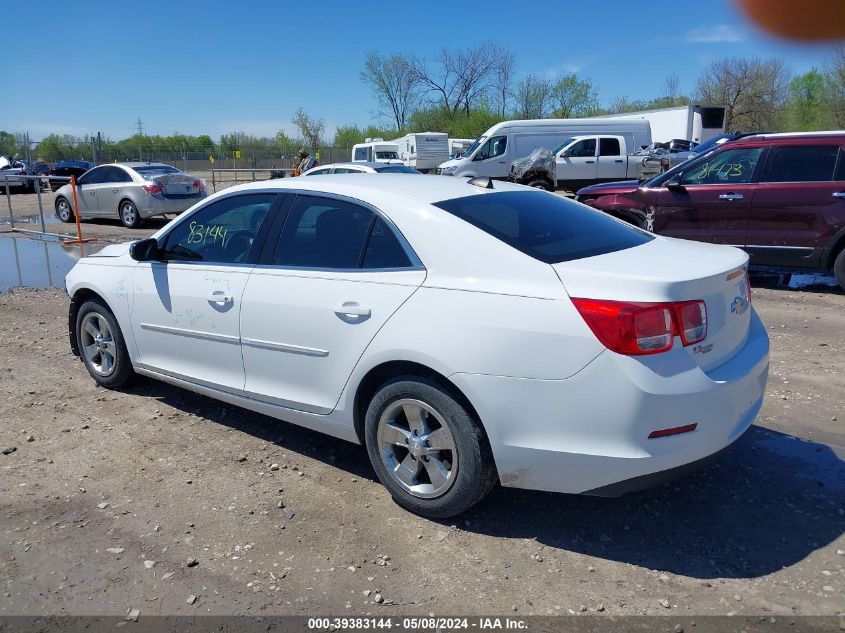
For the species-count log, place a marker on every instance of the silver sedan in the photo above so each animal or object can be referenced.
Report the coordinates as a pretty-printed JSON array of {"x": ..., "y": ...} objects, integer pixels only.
[{"x": 131, "y": 192}]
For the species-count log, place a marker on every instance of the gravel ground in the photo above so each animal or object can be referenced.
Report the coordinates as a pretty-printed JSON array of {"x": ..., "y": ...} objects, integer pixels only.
[{"x": 156, "y": 499}]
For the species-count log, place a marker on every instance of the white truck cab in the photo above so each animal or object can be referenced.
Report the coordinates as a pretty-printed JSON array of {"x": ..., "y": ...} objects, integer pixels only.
[
  {"x": 588, "y": 159},
  {"x": 375, "y": 150}
]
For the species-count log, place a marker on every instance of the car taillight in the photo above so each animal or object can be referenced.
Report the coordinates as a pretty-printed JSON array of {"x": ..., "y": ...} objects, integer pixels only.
[
  {"x": 691, "y": 318},
  {"x": 197, "y": 184},
  {"x": 638, "y": 329},
  {"x": 153, "y": 189}
]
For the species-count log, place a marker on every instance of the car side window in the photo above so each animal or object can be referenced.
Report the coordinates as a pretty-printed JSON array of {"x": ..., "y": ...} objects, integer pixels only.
[
  {"x": 323, "y": 233},
  {"x": 118, "y": 174},
  {"x": 384, "y": 249},
  {"x": 319, "y": 172},
  {"x": 731, "y": 166},
  {"x": 583, "y": 148},
  {"x": 495, "y": 146},
  {"x": 812, "y": 163},
  {"x": 347, "y": 170},
  {"x": 93, "y": 177},
  {"x": 609, "y": 147},
  {"x": 220, "y": 232}
]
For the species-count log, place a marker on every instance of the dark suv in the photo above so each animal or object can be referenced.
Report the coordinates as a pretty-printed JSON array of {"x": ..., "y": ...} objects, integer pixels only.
[
  {"x": 781, "y": 197},
  {"x": 66, "y": 169}
]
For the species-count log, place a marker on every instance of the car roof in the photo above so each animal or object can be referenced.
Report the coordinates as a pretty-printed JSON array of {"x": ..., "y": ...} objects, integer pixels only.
[
  {"x": 792, "y": 136},
  {"x": 374, "y": 188},
  {"x": 143, "y": 164}
]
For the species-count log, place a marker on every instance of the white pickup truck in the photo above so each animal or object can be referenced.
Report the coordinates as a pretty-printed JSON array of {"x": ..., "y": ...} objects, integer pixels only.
[{"x": 589, "y": 159}]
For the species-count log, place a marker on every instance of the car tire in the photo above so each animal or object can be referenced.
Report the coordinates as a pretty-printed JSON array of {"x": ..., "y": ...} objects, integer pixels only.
[
  {"x": 63, "y": 210},
  {"x": 101, "y": 345},
  {"x": 438, "y": 480},
  {"x": 540, "y": 184},
  {"x": 129, "y": 215},
  {"x": 839, "y": 268}
]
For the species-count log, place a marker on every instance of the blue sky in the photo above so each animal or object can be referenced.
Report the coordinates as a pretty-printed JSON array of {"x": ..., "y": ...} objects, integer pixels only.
[{"x": 215, "y": 67}]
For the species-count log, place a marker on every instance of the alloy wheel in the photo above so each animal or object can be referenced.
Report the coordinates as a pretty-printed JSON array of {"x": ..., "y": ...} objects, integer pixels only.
[
  {"x": 98, "y": 344},
  {"x": 417, "y": 448}
]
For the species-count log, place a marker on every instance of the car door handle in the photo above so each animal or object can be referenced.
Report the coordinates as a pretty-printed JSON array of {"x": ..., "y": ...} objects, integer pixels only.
[
  {"x": 730, "y": 196},
  {"x": 589, "y": 162},
  {"x": 218, "y": 296},
  {"x": 839, "y": 194},
  {"x": 619, "y": 161},
  {"x": 350, "y": 308}
]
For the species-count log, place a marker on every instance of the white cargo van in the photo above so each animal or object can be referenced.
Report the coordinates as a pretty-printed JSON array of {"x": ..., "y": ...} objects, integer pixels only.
[
  {"x": 493, "y": 152},
  {"x": 375, "y": 150},
  {"x": 423, "y": 151}
]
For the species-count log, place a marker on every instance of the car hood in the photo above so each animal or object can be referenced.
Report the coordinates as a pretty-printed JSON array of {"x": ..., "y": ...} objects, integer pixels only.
[
  {"x": 113, "y": 250},
  {"x": 453, "y": 162},
  {"x": 604, "y": 188}
]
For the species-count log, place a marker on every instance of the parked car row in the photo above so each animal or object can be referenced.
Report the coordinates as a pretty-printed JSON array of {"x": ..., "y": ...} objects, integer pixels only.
[{"x": 780, "y": 197}]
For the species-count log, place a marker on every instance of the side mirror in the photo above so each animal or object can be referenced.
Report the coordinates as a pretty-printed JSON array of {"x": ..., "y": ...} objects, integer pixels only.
[
  {"x": 674, "y": 184},
  {"x": 144, "y": 250}
]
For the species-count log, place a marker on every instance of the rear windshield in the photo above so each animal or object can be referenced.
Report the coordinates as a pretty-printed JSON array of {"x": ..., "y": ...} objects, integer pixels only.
[
  {"x": 545, "y": 226},
  {"x": 148, "y": 172},
  {"x": 396, "y": 169}
]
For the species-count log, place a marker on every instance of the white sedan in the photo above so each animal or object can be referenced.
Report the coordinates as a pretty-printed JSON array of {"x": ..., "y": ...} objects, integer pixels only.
[{"x": 467, "y": 333}]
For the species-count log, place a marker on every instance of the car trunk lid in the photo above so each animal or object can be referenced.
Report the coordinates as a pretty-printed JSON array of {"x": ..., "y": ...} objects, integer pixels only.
[{"x": 671, "y": 270}]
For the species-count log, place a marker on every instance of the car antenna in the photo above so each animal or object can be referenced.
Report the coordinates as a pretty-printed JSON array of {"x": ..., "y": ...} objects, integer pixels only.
[{"x": 485, "y": 182}]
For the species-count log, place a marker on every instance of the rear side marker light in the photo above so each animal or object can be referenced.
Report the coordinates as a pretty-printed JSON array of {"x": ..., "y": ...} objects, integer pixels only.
[
  {"x": 677, "y": 430},
  {"x": 638, "y": 329}
]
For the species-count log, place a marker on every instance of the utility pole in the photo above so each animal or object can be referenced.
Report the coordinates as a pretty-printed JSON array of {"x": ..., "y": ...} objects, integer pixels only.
[{"x": 140, "y": 126}]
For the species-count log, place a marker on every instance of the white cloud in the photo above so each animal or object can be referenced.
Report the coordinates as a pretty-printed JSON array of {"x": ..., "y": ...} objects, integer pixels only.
[
  {"x": 717, "y": 34},
  {"x": 571, "y": 66}
]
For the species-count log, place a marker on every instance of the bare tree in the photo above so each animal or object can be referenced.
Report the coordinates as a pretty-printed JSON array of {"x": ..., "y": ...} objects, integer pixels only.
[
  {"x": 394, "y": 84},
  {"x": 672, "y": 86},
  {"x": 532, "y": 97},
  {"x": 502, "y": 84},
  {"x": 459, "y": 77},
  {"x": 311, "y": 129},
  {"x": 751, "y": 89},
  {"x": 573, "y": 97}
]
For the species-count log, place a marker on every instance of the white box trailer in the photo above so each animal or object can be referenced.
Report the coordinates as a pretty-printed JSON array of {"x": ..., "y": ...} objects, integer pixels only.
[
  {"x": 691, "y": 122},
  {"x": 375, "y": 150},
  {"x": 423, "y": 151},
  {"x": 459, "y": 145}
]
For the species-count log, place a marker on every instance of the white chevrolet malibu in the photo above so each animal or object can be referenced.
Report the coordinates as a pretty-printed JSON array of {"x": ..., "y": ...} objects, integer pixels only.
[{"x": 467, "y": 333}]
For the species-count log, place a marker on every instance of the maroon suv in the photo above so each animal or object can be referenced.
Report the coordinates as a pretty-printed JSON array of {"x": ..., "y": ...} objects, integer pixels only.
[{"x": 781, "y": 197}]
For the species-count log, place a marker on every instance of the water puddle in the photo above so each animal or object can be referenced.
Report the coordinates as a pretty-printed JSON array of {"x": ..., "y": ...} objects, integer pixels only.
[{"x": 38, "y": 263}]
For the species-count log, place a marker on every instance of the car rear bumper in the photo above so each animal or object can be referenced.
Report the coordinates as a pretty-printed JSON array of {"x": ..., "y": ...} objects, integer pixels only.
[
  {"x": 589, "y": 433},
  {"x": 159, "y": 206}
]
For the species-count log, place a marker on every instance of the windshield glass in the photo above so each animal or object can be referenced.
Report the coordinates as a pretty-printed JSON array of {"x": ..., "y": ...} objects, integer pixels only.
[
  {"x": 562, "y": 145},
  {"x": 148, "y": 172},
  {"x": 469, "y": 151},
  {"x": 545, "y": 226},
  {"x": 387, "y": 155}
]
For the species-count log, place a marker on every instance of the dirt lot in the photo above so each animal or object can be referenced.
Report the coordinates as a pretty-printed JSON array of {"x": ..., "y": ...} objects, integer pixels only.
[{"x": 156, "y": 499}]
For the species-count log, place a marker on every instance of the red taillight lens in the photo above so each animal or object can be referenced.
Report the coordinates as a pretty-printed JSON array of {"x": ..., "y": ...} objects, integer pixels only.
[
  {"x": 691, "y": 317},
  {"x": 629, "y": 328},
  {"x": 154, "y": 189},
  {"x": 637, "y": 329}
]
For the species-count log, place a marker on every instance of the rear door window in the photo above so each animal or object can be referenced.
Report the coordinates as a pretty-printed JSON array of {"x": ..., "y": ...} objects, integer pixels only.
[
  {"x": 811, "y": 163},
  {"x": 609, "y": 147},
  {"x": 545, "y": 226}
]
